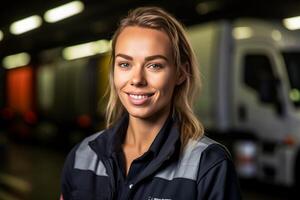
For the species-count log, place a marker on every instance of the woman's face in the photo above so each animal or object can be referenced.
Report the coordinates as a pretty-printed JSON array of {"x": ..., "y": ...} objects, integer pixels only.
[{"x": 144, "y": 73}]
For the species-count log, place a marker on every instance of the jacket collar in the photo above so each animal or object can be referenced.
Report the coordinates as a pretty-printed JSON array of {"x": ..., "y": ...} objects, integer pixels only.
[
  {"x": 103, "y": 145},
  {"x": 164, "y": 145}
]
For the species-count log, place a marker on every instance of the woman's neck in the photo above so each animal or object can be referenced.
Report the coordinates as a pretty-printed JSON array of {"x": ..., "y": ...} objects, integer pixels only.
[{"x": 142, "y": 132}]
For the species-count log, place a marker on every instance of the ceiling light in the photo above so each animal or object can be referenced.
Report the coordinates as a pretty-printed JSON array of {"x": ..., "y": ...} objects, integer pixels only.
[
  {"x": 207, "y": 7},
  {"x": 16, "y": 60},
  {"x": 25, "y": 25},
  {"x": 86, "y": 49},
  {"x": 292, "y": 23},
  {"x": 63, "y": 11}
]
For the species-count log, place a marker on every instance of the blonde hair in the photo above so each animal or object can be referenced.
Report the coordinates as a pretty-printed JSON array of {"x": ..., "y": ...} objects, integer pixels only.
[{"x": 184, "y": 60}]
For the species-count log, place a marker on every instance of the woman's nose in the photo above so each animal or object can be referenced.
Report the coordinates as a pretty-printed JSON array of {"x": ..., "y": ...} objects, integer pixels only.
[{"x": 138, "y": 77}]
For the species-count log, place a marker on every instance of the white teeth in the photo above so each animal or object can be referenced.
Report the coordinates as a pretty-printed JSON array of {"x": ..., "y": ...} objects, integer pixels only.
[{"x": 135, "y": 96}]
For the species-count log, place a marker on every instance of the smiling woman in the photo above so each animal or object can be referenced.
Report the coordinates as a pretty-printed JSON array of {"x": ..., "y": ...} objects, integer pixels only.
[
  {"x": 154, "y": 146},
  {"x": 144, "y": 72}
]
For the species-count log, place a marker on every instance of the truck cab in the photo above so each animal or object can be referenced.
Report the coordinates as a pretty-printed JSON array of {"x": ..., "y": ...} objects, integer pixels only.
[{"x": 251, "y": 94}]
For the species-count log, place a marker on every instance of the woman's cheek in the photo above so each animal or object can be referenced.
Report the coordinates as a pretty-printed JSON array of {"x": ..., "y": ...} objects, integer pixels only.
[
  {"x": 119, "y": 79},
  {"x": 162, "y": 82}
]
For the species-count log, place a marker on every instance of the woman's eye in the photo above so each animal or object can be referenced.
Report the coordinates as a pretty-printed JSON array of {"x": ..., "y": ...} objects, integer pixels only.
[
  {"x": 155, "y": 66},
  {"x": 123, "y": 65}
]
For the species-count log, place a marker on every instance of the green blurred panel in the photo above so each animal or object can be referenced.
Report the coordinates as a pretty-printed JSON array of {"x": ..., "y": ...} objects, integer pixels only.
[
  {"x": 80, "y": 86},
  {"x": 45, "y": 88},
  {"x": 62, "y": 107},
  {"x": 75, "y": 89},
  {"x": 91, "y": 78}
]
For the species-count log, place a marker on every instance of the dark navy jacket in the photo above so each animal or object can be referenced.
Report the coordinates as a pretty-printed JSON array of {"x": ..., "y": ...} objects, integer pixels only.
[{"x": 203, "y": 170}]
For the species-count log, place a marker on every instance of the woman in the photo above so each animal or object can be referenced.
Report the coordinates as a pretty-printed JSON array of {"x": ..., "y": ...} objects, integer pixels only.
[{"x": 153, "y": 147}]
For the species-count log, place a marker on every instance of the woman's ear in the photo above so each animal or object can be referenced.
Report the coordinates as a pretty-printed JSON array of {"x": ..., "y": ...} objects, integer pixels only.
[{"x": 181, "y": 76}]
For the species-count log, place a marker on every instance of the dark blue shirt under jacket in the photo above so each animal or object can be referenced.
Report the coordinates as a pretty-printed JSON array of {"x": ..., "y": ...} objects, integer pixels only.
[{"x": 95, "y": 169}]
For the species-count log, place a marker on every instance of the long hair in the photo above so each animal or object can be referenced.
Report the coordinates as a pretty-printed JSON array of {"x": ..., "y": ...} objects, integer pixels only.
[{"x": 185, "y": 63}]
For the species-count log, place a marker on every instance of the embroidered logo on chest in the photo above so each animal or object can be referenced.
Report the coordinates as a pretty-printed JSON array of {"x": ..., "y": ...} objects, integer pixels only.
[{"x": 155, "y": 198}]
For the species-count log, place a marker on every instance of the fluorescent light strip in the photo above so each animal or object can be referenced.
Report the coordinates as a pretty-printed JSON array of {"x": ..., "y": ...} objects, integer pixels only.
[
  {"x": 86, "y": 49},
  {"x": 16, "y": 60},
  {"x": 25, "y": 25},
  {"x": 64, "y": 11},
  {"x": 292, "y": 23}
]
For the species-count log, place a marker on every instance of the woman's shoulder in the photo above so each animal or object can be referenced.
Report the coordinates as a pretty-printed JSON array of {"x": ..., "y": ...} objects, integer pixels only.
[
  {"x": 206, "y": 153},
  {"x": 85, "y": 142},
  {"x": 208, "y": 148},
  {"x": 197, "y": 156},
  {"x": 213, "y": 156},
  {"x": 83, "y": 146},
  {"x": 82, "y": 153},
  {"x": 216, "y": 173},
  {"x": 214, "y": 150}
]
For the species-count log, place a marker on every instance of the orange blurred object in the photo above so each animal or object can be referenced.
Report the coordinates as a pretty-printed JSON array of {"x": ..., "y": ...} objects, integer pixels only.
[{"x": 20, "y": 89}]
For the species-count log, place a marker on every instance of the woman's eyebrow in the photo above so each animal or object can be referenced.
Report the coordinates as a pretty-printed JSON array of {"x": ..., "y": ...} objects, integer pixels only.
[
  {"x": 124, "y": 56},
  {"x": 148, "y": 58},
  {"x": 156, "y": 57}
]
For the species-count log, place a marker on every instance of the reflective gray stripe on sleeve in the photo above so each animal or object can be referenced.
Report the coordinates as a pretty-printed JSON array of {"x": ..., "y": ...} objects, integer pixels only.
[
  {"x": 86, "y": 158},
  {"x": 187, "y": 166}
]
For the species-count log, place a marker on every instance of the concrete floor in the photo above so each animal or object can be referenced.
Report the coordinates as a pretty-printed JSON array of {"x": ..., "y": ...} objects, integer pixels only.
[{"x": 33, "y": 173}]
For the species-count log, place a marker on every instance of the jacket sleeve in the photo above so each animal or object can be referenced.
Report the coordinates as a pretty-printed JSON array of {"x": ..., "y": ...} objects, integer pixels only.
[
  {"x": 217, "y": 178},
  {"x": 66, "y": 176}
]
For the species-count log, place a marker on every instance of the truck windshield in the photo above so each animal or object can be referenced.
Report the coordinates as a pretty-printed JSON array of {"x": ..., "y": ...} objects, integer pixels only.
[{"x": 292, "y": 60}]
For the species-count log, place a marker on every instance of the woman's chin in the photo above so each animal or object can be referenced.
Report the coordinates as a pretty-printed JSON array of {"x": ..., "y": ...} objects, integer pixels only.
[
  {"x": 140, "y": 115},
  {"x": 148, "y": 114}
]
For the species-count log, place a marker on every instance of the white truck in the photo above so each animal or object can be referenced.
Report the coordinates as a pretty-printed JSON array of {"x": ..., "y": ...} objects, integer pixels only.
[{"x": 250, "y": 96}]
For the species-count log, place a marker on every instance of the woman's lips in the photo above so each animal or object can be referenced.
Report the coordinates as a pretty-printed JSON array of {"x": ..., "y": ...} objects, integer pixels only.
[{"x": 139, "y": 99}]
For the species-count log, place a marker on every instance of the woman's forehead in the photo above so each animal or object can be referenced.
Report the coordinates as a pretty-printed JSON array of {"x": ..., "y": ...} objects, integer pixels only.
[{"x": 139, "y": 40}]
